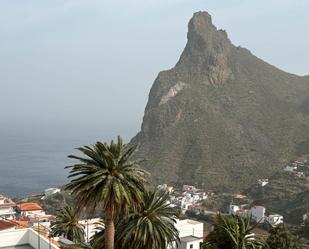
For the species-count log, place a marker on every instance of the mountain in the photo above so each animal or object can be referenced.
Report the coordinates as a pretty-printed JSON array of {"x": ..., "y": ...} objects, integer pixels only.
[{"x": 222, "y": 118}]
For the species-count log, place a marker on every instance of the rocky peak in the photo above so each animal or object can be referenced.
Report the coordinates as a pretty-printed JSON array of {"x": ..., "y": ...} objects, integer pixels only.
[
  {"x": 207, "y": 49},
  {"x": 201, "y": 25}
]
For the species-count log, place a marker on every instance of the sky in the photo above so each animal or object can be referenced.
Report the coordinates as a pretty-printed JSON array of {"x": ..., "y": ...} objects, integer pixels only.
[{"x": 74, "y": 66}]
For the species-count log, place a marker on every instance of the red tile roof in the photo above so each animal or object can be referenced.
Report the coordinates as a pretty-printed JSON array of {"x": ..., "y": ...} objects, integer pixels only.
[
  {"x": 22, "y": 223},
  {"x": 29, "y": 207},
  {"x": 6, "y": 225},
  {"x": 11, "y": 204}
]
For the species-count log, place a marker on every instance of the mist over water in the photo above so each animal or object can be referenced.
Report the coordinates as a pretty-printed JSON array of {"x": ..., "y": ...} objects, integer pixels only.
[{"x": 33, "y": 158}]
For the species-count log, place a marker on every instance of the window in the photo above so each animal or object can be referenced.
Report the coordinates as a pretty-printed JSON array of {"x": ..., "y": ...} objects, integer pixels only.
[
  {"x": 191, "y": 246},
  {"x": 201, "y": 245}
]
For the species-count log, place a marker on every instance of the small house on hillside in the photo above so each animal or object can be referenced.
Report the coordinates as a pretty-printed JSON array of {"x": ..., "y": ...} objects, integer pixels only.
[
  {"x": 30, "y": 209},
  {"x": 7, "y": 207},
  {"x": 188, "y": 188},
  {"x": 191, "y": 233},
  {"x": 274, "y": 219},
  {"x": 256, "y": 212},
  {"x": 289, "y": 168},
  {"x": 263, "y": 182},
  {"x": 51, "y": 191}
]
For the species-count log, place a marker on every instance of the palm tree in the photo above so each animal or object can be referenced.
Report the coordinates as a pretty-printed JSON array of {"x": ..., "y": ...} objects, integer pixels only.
[
  {"x": 232, "y": 232},
  {"x": 67, "y": 225},
  {"x": 281, "y": 238},
  {"x": 150, "y": 226},
  {"x": 98, "y": 239},
  {"x": 107, "y": 177}
]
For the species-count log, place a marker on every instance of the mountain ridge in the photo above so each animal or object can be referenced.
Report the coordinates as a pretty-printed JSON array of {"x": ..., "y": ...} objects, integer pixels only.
[{"x": 221, "y": 117}]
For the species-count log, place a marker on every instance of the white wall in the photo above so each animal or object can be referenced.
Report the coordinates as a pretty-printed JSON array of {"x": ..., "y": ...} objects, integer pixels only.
[
  {"x": 190, "y": 228},
  {"x": 35, "y": 212},
  {"x": 34, "y": 240},
  {"x": 22, "y": 237},
  {"x": 11, "y": 238},
  {"x": 8, "y": 212},
  {"x": 196, "y": 244},
  {"x": 258, "y": 213},
  {"x": 233, "y": 209}
]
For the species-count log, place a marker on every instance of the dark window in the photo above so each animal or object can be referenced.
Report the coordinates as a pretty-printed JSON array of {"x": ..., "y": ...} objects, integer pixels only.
[{"x": 191, "y": 246}]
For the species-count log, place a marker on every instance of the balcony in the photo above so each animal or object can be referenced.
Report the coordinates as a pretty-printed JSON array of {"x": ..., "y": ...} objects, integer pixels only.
[{"x": 24, "y": 239}]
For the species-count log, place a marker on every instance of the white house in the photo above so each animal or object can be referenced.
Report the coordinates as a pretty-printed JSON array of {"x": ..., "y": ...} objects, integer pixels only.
[
  {"x": 51, "y": 191},
  {"x": 7, "y": 208},
  {"x": 263, "y": 182},
  {"x": 258, "y": 213},
  {"x": 186, "y": 201},
  {"x": 196, "y": 208},
  {"x": 165, "y": 187},
  {"x": 290, "y": 168},
  {"x": 275, "y": 219},
  {"x": 41, "y": 220},
  {"x": 191, "y": 234},
  {"x": 189, "y": 227},
  {"x": 190, "y": 242},
  {"x": 188, "y": 188},
  {"x": 300, "y": 174},
  {"x": 305, "y": 217},
  {"x": 91, "y": 226},
  {"x": 25, "y": 239},
  {"x": 30, "y": 209},
  {"x": 233, "y": 209}
]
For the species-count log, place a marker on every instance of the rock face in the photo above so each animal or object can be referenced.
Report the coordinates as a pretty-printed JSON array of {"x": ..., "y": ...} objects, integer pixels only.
[{"x": 222, "y": 118}]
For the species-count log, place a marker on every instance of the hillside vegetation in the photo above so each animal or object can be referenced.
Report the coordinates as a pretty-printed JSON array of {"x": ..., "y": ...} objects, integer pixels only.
[{"x": 285, "y": 194}]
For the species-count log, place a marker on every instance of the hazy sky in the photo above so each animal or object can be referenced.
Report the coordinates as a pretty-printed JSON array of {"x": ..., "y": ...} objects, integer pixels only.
[{"x": 89, "y": 64}]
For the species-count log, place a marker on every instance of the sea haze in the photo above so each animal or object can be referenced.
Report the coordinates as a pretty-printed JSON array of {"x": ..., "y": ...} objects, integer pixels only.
[{"x": 33, "y": 159}]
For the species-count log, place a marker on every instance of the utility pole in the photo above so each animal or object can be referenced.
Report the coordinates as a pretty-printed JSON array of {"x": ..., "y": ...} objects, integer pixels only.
[
  {"x": 87, "y": 230},
  {"x": 39, "y": 237}
]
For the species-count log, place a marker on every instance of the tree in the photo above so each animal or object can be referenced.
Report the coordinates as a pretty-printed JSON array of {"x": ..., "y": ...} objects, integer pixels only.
[
  {"x": 98, "y": 239},
  {"x": 281, "y": 238},
  {"x": 232, "y": 232},
  {"x": 67, "y": 225},
  {"x": 107, "y": 177},
  {"x": 304, "y": 231},
  {"x": 150, "y": 226}
]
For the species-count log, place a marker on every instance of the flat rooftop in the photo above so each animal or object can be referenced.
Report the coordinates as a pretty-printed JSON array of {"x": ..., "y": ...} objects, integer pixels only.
[
  {"x": 18, "y": 247},
  {"x": 187, "y": 221},
  {"x": 189, "y": 239}
]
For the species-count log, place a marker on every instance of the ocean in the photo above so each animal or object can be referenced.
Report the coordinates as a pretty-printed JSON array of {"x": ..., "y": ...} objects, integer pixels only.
[{"x": 31, "y": 161}]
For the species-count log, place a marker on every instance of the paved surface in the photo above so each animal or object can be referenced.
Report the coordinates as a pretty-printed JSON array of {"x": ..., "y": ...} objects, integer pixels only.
[{"x": 18, "y": 247}]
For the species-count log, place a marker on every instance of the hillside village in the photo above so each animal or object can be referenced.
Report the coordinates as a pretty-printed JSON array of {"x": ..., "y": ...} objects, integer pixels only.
[
  {"x": 16, "y": 218},
  {"x": 196, "y": 206}
]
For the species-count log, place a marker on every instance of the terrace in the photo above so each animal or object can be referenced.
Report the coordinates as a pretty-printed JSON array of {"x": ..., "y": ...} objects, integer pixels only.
[{"x": 25, "y": 239}]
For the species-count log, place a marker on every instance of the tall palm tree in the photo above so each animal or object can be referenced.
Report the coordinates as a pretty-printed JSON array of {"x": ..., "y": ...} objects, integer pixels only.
[
  {"x": 151, "y": 226},
  {"x": 67, "y": 225},
  {"x": 107, "y": 177},
  {"x": 232, "y": 232}
]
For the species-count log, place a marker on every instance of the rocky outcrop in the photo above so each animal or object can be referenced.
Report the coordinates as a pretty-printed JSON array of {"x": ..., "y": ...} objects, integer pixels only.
[{"x": 221, "y": 117}]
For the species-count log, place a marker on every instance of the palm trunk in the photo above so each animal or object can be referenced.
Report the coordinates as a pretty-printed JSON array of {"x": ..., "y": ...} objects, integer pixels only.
[{"x": 109, "y": 229}]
